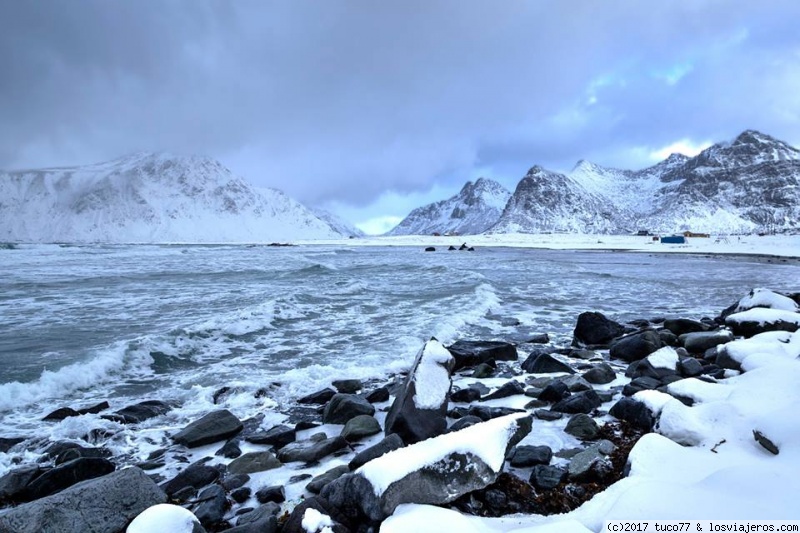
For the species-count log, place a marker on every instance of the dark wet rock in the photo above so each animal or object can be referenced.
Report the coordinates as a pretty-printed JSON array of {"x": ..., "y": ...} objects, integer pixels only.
[
  {"x": 78, "y": 452},
  {"x": 420, "y": 407},
  {"x": 600, "y": 374},
  {"x": 13, "y": 483},
  {"x": 555, "y": 392},
  {"x": 196, "y": 476},
  {"x": 545, "y": 364},
  {"x": 234, "y": 481},
  {"x": 277, "y": 436},
  {"x": 378, "y": 395},
  {"x": 257, "y": 515},
  {"x": 668, "y": 338},
  {"x": 582, "y": 426},
  {"x": 343, "y": 407},
  {"x": 488, "y": 413},
  {"x": 594, "y": 329},
  {"x": 698, "y": 343},
  {"x": 547, "y": 415},
  {"x": 101, "y": 505},
  {"x": 133, "y": 414},
  {"x": 690, "y": 367},
  {"x": 467, "y": 395},
  {"x": 186, "y": 494},
  {"x": 483, "y": 370},
  {"x": 253, "y": 462},
  {"x": 221, "y": 394},
  {"x": 644, "y": 368},
  {"x": 510, "y": 388},
  {"x": 213, "y": 427},
  {"x": 347, "y": 386},
  {"x": 472, "y": 353},
  {"x": 589, "y": 465},
  {"x": 430, "y": 249},
  {"x": 679, "y": 326},
  {"x": 445, "y": 477},
  {"x": 318, "y": 483},
  {"x": 230, "y": 450},
  {"x": 392, "y": 442},
  {"x": 212, "y": 506},
  {"x": 545, "y": 477},
  {"x": 765, "y": 442},
  {"x": 320, "y": 397},
  {"x": 580, "y": 402},
  {"x": 241, "y": 495},
  {"x": 309, "y": 451},
  {"x": 298, "y": 478},
  {"x": 635, "y": 413},
  {"x": 359, "y": 427},
  {"x": 640, "y": 384},
  {"x": 464, "y": 422},
  {"x": 742, "y": 324},
  {"x": 636, "y": 346},
  {"x": 274, "y": 493},
  {"x": 640, "y": 323},
  {"x": 541, "y": 338},
  {"x": 321, "y": 505},
  {"x": 65, "y": 475},
  {"x": 583, "y": 354},
  {"x": 60, "y": 414},
  {"x": 7, "y": 443},
  {"x": 576, "y": 383},
  {"x": 525, "y": 456},
  {"x": 723, "y": 360},
  {"x": 94, "y": 409}
]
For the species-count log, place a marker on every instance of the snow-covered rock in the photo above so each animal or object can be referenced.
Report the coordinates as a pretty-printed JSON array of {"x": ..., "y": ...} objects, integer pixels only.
[
  {"x": 149, "y": 198},
  {"x": 419, "y": 409},
  {"x": 165, "y": 517},
  {"x": 761, "y": 319},
  {"x": 476, "y": 208}
]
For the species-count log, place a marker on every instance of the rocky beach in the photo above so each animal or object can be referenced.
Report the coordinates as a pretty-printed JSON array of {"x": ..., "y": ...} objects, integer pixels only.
[{"x": 497, "y": 436}]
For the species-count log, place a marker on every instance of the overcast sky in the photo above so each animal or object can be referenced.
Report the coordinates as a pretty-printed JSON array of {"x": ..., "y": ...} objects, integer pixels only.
[{"x": 371, "y": 108}]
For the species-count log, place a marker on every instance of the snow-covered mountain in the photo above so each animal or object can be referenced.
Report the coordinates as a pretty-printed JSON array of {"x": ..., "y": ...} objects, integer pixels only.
[
  {"x": 149, "y": 197},
  {"x": 476, "y": 208},
  {"x": 749, "y": 184},
  {"x": 337, "y": 224}
]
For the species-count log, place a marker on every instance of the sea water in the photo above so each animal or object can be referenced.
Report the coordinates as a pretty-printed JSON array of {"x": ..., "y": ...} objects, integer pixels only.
[{"x": 83, "y": 324}]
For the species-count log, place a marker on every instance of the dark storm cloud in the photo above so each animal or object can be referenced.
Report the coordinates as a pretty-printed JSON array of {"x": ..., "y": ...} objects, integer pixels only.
[{"x": 346, "y": 100}]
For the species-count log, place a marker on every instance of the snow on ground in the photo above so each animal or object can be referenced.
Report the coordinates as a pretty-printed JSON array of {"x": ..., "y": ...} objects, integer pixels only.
[
  {"x": 768, "y": 245},
  {"x": 715, "y": 470}
]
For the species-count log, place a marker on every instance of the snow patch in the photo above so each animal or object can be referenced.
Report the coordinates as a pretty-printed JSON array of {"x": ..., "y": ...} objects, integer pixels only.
[
  {"x": 432, "y": 377},
  {"x": 316, "y": 522},
  {"x": 665, "y": 357}
]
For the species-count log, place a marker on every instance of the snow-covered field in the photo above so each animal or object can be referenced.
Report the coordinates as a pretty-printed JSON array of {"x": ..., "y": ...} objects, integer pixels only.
[{"x": 774, "y": 245}]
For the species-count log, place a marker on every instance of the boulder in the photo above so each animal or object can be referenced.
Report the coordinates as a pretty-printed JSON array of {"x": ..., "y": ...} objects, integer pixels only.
[
  {"x": 699, "y": 342},
  {"x": 7, "y": 443},
  {"x": 229, "y": 450},
  {"x": 196, "y": 476},
  {"x": 212, "y": 505},
  {"x": 581, "y": 402},
  {"x": 347, "y": 386},
  {"x": 319, "y": 482},
  {"x": 60, "y": 414},
  {"x": 548, "y": 416},
  {"x": 637, "y": 346},
  {"x": 680, "y": 326},
  {"x": 65, "y": 475},
  {"x": 600, "y": 374},
  {"x": 545, "y": 363},
  {"x": 309, "y": 451},
  {"x": 483, "y": 371},
  {"x": 257, "y": 515},
  {"x": 419, "y": 409},
  {"x": 381, "y": 394},
  {"x": 594, "y": 329},
  {"x": 277, "y": 436},
  {"x": 759, "y": 320},
  {"x": 343, "y": 407},
  {"x": 133, "y": 414},
  {"x": 392, "y": 442},
  {"x": 554, "y": 392},
  {"x": 689, "y": 367},
  {"x": 359, "y": 427},
  {"x": 101, "y": 505},
  {"x": 545, "y": 477},
  {"x": 466, "y": 395},
  {"x": 314, "y": 512},
  {"x": 274, "y": 493},
  {"x": 510, "y": 388},
  {"x": 471, "y": 353},
  {"x": 13, "y": 483},
  {"x": 576, "y": 383},
  {"x": 589, "y": 465},
  {"x": 213, "y": 427},
  {"x": 320, "y": 397},
  {"x": 582, "y": 426},
  {"x": 634, "y": 412},
  {"x": 488, "y": 413},
  {"x": 464, "y": 422},
  {"x": 639, "y": 384},
  {"x": 526, "y": 456},
  {"x": 253, "y": 462},
  {"x": 436, "y": 471}
]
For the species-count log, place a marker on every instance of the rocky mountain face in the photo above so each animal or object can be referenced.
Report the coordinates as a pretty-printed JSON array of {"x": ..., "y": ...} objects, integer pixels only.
[
  {"x": 338, "y": 224},
  {"x": 747, "y": 185},
  {"x": 476, "y": 208},
  {"x": 149, "y": 198}
]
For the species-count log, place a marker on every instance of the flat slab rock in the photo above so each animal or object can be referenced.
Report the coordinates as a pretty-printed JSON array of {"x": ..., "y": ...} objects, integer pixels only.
[
  {"x": 101, "y": 505},
  {"x": 213, "y": 427}
]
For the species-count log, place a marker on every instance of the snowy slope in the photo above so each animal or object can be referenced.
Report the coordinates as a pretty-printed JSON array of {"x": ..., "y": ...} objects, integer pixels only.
[
  {"x": 337, "y": 224},
  {"x": 148, "y": 197},
  {"x": 549, "y": 202},
  {"x": 473, "y": 210}
]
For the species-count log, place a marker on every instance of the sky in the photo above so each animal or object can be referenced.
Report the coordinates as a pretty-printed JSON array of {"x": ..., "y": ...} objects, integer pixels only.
[{"x": 370, "y": 109}]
